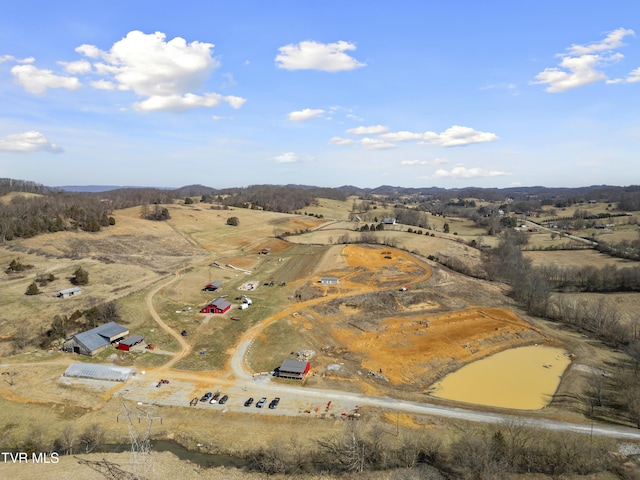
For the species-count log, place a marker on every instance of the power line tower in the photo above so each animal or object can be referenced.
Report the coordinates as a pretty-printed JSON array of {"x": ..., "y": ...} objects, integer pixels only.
[{"x": 140, "y": 436}]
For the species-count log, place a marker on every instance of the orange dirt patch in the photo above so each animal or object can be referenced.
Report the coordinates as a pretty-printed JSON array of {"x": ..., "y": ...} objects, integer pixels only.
[
  {"x": 378, "y": 267},
  {"x": 419, "y": 349}
]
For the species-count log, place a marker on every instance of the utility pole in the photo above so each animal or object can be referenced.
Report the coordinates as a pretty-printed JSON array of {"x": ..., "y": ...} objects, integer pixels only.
[{"x": 140, "y": 437}]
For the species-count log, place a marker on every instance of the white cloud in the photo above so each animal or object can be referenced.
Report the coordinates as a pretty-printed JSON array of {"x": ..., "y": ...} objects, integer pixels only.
[
  {"x": 634, "y": 76},
  {"x": 287, "y": 157},
  {"x": 611, "y": 42},
  {"x": 453, "y": 136},
  {"x": 402, "y": 136},
  {"x": 583, "y": 64},
  {"x": 90, "y": 51},
  {"x": 11, "y": 58},
  {"x": 35, "y": 80},
  {"x": 376, "y": 144},
  {"x": 372, "y": 130},
  {"x": 76, "y": 68},
  {"x": 341, "y": 141},
  {"x": 581, "y": 71},
  {"x": 435, "y": 161},
  {"x": 165, "y": 72},
  {"x": 27, "y": 142},
  {"x": 306, "y": 114},
  {"x": 311, "y": 55},
  {"x": 176, "y": 103},
  {"x": 464, "y": 172},
  {"x": 103, "y": 85},
  {"x": 457, "y": 135}
]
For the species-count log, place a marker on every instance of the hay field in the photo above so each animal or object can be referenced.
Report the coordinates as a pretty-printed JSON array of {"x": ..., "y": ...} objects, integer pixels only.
[{"x": 576, "y": 258}]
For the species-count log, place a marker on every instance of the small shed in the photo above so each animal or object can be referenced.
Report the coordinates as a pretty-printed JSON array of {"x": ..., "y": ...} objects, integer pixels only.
[
  {"x": 129, "y": 342},
  {"x": 293, "y": 369},
  {"x": 69, "y": 292},
  {"x": 218, "y": 306},
  {"x": 212, "y": 287},
  {"x": 329, "y": 280},
  {"x": 100, "y": 372}
]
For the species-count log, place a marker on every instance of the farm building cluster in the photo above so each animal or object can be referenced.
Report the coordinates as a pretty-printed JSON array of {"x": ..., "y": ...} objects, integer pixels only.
[{"x": 94, "y": 341}]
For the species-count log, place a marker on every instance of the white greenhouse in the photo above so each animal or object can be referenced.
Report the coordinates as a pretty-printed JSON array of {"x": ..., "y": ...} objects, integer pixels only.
[{"x": 100, "y": 372}]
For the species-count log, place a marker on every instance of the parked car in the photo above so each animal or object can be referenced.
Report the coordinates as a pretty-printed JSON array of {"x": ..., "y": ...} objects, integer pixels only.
[
  {"x": 261, "y": 402},
  {"x": 223, "y": 400},
  {"x": 274, "y": 403},
  {"x": 206, "y": 397},
  {"x": 215, "y": 398},
  {"x": 249, "y": 402}
]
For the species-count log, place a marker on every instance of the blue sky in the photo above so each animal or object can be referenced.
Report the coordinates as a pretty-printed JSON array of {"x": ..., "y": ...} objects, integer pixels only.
[{"x": 416, "y": 94}]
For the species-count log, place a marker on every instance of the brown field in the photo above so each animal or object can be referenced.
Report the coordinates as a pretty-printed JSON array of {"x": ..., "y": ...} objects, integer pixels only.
[
  {"x": 576, "y": 258},
  {"x": 364, "y": 324}
]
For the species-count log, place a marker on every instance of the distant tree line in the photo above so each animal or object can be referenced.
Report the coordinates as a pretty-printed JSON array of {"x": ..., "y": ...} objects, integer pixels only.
[
  {"x": 627, "y": 249},
  {"x": 8, "y": 185},
  {"x": 276, "y": 198},
  {"x": 25, "y": 217}
]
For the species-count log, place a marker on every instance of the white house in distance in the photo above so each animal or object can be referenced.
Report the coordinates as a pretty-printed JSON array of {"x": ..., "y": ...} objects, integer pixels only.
[
  {"x": 69, "y": 292},
  {"x": 329, "y": 280}
]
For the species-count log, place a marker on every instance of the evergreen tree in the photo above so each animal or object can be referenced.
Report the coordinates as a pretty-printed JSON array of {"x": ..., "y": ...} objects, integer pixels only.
[{"x": 81, "y": 276}]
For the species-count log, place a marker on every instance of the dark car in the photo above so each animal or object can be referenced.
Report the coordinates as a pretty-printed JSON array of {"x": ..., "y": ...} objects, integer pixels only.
[
  {"x": 223, "y": 400},
  {"x": 206, "y": 397},
  {"x": 274, "y": 403},
  {"x": 261, "y": 402},
  {"x": 249, "y": 402},
  {"x": 184, "y": 333}
]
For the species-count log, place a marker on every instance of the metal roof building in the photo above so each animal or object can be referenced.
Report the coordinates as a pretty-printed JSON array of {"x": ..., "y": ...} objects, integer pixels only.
[
  {"x": 97, "y": 339},
  {"x": 100, "y": 372},
  {"x": 294, "y": 369},
  {"x": 69, "y": 292},
  {"x": 129, "y": 342}
]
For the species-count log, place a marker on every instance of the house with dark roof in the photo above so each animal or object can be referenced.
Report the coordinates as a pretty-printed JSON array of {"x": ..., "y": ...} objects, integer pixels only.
[
  {"x": 97, "y": 339},
  {"x": 293, "y": 369},
  {"x": 212, "y": 287},
  {"x": 218, "y": 306},
  {"x": 129, "y": 342}
]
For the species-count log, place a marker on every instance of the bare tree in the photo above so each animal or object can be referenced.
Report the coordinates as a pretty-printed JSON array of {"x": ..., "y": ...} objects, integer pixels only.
[{"x": 92, "y": 437}]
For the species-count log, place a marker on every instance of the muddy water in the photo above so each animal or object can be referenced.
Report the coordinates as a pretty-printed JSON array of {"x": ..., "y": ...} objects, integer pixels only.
[{"x": 522, "y": 378}]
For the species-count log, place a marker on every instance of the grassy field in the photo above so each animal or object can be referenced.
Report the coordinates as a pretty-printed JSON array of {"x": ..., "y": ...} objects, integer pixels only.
[{"x": 362, "y": 323}]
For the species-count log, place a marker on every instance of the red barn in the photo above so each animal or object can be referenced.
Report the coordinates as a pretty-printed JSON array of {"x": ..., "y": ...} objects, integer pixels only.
[
  {"x": 294, "y": 369},
  {"x": 218, "y": 306}
]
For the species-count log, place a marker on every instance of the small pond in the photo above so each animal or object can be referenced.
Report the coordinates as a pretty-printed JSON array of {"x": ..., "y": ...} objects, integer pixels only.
[{"x": 524, "y": 378}]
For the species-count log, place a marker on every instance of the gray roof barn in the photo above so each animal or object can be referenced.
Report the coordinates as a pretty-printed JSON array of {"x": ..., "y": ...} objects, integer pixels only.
[
  {"x": 97, "y": 339},
  {"x": 132, "y": 340},
  {"x": 221, "y": 303},
  {"x": 293, "y": 369}
]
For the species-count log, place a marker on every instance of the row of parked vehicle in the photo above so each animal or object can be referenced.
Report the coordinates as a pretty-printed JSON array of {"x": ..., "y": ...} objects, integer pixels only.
[
  {"x": 260, "y": 403},
  {"x": 214, "y": 398},
  {"x": 222, "y": 399}
]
